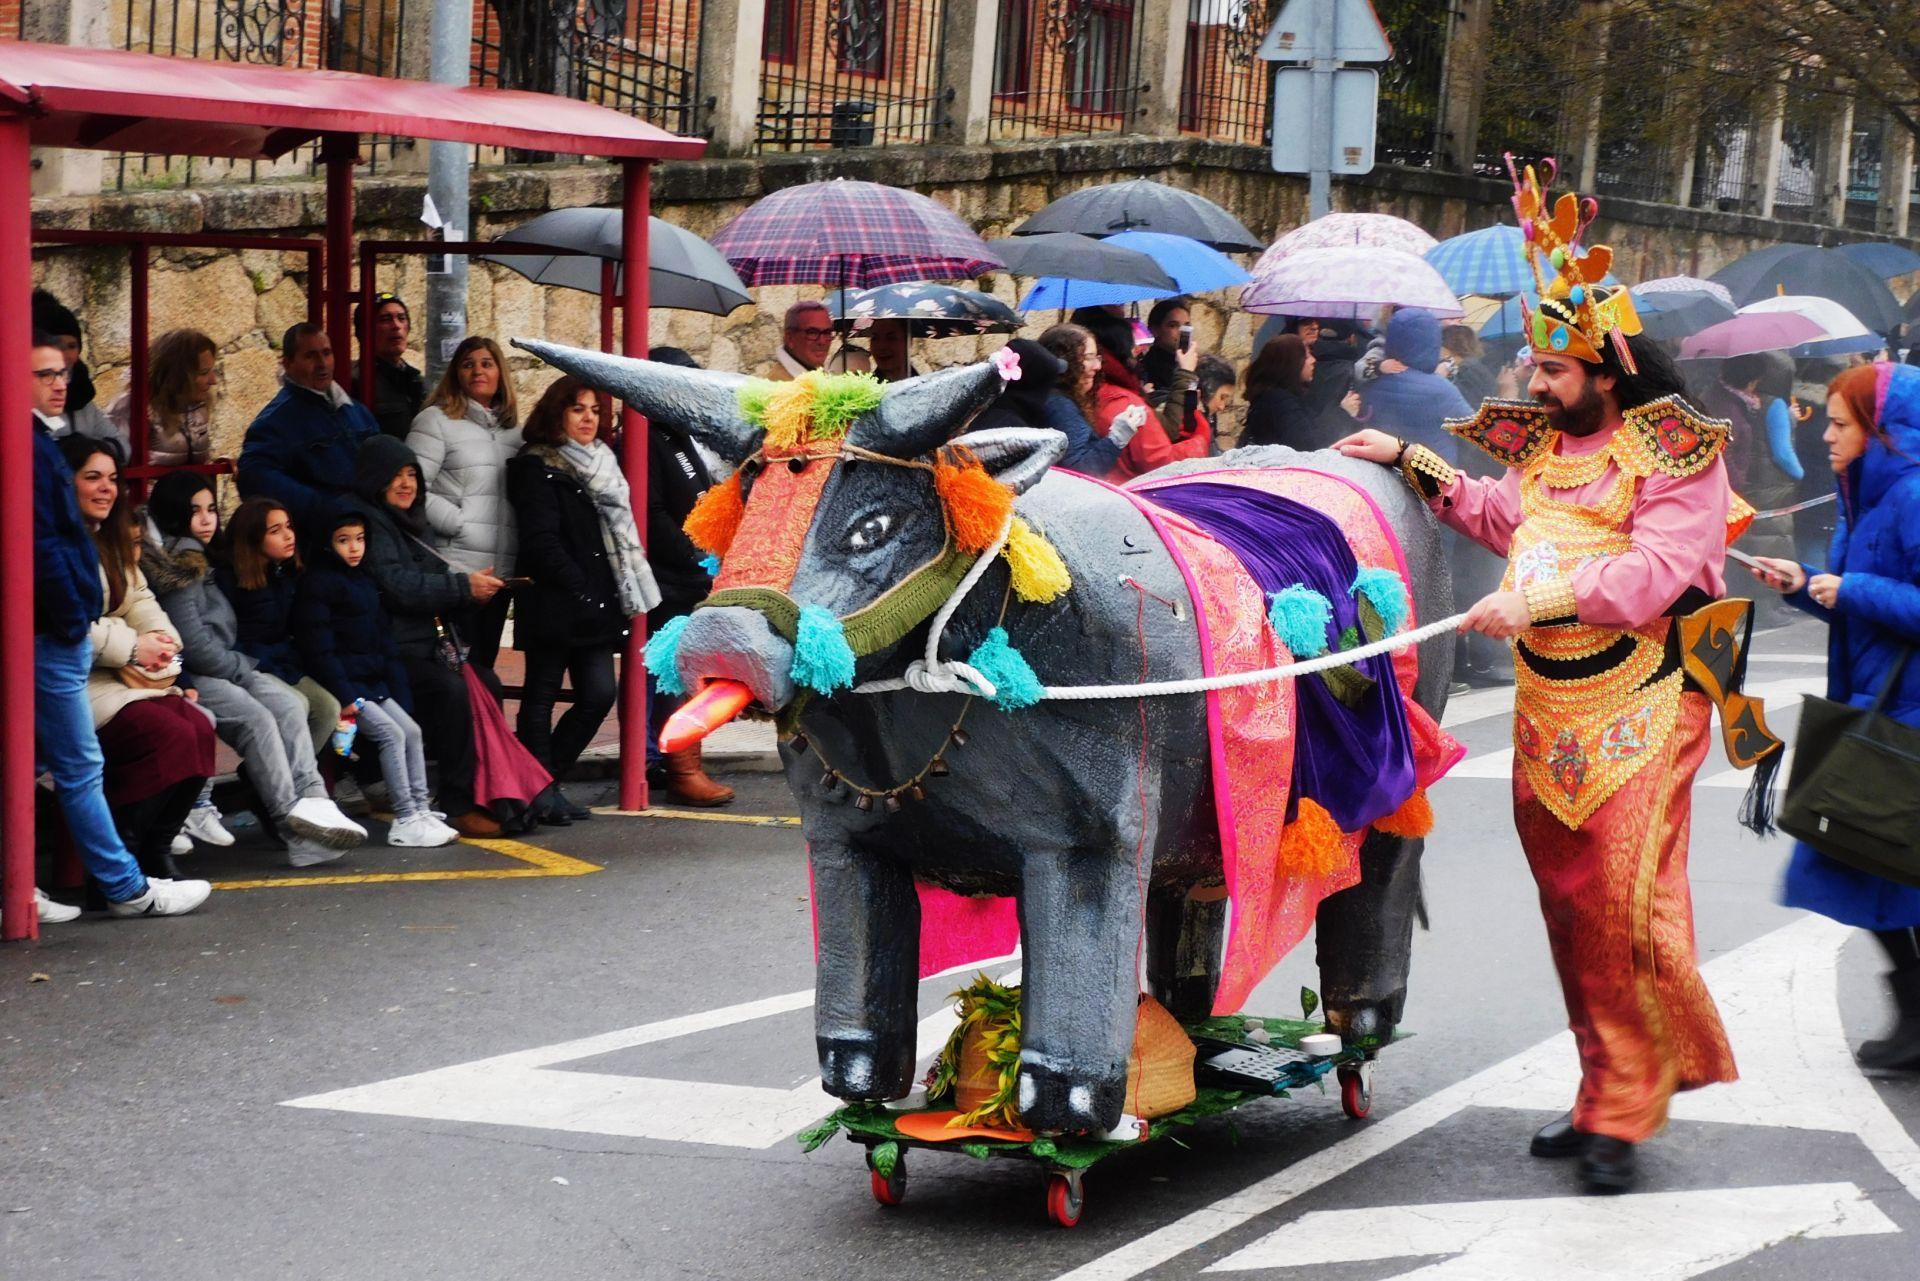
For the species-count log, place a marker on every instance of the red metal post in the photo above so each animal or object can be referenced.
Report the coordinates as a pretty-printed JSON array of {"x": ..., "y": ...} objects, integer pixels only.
[
  {"x": 364, "y": 369},
  {"x": 609, "y": 275},
  {"x": 316, "y": 288},
  {"x": 21, "y": 921},
  {"x": 635, "y": 207},
  {"x": 339, "y": 151},
  {"x": 139, "y": 325}
]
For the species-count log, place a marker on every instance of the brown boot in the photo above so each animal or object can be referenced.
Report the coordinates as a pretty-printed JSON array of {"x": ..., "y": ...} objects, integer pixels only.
[{"x": 689, "y": 784}]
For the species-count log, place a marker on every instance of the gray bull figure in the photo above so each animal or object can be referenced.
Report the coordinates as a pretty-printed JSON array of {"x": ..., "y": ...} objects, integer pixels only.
[{"x": 1057, "y": 804}]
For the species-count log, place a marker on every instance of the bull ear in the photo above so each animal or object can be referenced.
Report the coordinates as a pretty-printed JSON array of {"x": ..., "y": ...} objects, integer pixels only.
[
  {"x": 1017, "y": 457},
  {"x": 703, "y": 401},
  {"x": 918, "y": 415}
]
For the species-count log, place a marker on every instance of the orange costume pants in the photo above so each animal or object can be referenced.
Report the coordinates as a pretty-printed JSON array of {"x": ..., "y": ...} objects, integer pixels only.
[{"x": 1619, "y": 916}]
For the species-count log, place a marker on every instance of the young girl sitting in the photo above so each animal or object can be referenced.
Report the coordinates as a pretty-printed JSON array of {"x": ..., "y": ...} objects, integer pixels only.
[
  {"x": 259, "y": 574},
  {"x": 260, "y": 715},
  {"x": 346, "y": 640}
]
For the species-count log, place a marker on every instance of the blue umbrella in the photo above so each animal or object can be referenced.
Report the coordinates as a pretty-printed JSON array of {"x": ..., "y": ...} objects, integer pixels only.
[
  {"x": 1883, "y": 259},
  {"x": 1194, "y": 267},
  {"x": 1490, "y": 262}
]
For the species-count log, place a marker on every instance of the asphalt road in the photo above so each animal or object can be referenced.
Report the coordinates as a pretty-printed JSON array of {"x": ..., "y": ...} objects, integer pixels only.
[{"x": 637, "y": 1011}]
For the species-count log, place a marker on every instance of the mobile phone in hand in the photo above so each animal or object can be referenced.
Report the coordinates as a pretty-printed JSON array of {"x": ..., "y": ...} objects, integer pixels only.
[
  {"x": 516, "y": 582},
  {"x": 1186, "y": 338}
]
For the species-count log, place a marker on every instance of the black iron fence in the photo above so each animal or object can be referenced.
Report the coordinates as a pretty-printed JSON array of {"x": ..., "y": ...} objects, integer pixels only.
[
  {"x": 1412, "y": 94},
  {"x": 362, "y": 35},
  {"x": 852, "y": 73},
  {"x": 1065, "y": 68},
  {"x": 1226, "y": 91}
]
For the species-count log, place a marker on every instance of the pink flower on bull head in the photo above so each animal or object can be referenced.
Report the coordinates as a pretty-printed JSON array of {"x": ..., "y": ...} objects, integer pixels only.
[{"x": 1007, "y": 362}]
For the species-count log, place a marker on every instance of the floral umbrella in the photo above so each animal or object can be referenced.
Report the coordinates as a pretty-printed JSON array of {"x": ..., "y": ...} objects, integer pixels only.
[
  {"x": 933, "y": 311},
  {"x": 1348, "y": 231},
  {"x": 1348, "y": 284}
]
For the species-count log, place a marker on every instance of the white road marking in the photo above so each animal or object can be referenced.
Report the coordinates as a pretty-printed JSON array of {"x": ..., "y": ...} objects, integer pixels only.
[
  {"x": 1800, "y": 1077},
  {"x": 1497, "y": 764},
  {"x": 1477, "y": 705},
  {"x": 529, "y": 1087},
  {"x": 1666, "y": 1236}
]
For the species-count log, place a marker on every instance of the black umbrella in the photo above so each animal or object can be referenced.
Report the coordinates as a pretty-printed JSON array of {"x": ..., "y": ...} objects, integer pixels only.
[
  {"x": 931, "y": 311},
  {"x": 1143, "y": 205},
  {"x": 1077, "y": 257},
  {"x": 686, "y": 273},
  {"x": 1820, "y": 273},
  {"x": 1883, "y": 259}
]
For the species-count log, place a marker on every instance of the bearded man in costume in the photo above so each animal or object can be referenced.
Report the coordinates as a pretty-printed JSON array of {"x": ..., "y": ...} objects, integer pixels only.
[{"x": 1614, "y": 515}]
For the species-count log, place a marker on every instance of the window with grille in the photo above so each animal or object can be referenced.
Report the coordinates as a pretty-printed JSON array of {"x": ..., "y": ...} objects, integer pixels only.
[
  {"x": 780, "y": 31},
  {"x": 1013, "y": 50},
  {"x": 860, "y": 37},
  {"x": 1097, "y": 60}
]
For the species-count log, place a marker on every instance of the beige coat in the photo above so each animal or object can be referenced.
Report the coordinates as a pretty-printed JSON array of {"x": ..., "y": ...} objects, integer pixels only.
[
  {"x": 114, "y": 636},
  {"x": 191, "y": 443}
]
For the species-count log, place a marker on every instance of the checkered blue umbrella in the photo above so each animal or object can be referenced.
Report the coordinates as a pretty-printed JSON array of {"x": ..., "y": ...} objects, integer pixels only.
[
  {"x": 855, "y": 235},
  {"x": 1489, "y": 262}
]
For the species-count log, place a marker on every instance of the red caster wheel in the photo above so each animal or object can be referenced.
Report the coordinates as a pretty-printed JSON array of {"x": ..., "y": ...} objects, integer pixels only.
[
  {"x": 1065, "y": 1198},
  {"x": 888, "y": 1189},
  {"x": 1356, "y": 1090}
]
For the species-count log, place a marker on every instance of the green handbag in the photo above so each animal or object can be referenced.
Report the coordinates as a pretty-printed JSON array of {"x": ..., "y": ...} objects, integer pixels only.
[{"x": 1854, "y": 794}]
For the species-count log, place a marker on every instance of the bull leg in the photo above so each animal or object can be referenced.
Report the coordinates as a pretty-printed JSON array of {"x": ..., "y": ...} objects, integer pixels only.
[
  {"x": 867, "y": 976},
  {"x": 1080, "y": 927},
  {"x": 1185, "y": 936},
  {"x": 1364, "y": 938}
]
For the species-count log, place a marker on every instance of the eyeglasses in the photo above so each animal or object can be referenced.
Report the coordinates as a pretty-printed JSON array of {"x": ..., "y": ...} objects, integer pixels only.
[
  {"x": 815, "y": 334},
  {"x": 52, "y": 376}
]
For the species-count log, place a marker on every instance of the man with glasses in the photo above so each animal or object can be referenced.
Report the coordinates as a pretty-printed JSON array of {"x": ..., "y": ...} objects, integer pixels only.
[
  {"x": 398, "y": 388},
  {"x": 67, "y": 598},
  {"x": 807, "y": 343}
]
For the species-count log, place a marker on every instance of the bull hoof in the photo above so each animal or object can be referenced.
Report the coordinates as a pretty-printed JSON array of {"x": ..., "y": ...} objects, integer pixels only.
[
  {"x": 1056, "y": 1099},
  {"x": 855, "y": 1068},
  {"x": 1363, "y": 1026}
]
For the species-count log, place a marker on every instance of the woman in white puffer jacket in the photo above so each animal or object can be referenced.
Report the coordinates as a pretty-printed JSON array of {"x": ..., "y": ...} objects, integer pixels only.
[{"x": 463, "y": 439}]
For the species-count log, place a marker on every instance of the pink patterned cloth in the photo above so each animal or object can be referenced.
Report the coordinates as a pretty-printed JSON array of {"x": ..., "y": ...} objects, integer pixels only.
[{"x": 1678, "y": 527}]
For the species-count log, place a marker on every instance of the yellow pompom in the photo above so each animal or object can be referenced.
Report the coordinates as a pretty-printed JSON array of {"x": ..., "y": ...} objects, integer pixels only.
[
  {"x": 1039, "y": 575},
  {"x": 790, "y": 410},
  {"x": 1312, "y": 844},
  {"x": 1414, "y": 818}
]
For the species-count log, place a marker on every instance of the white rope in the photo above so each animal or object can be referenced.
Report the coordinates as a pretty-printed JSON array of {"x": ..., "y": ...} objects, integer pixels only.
[{"x": 935, "y": 675}]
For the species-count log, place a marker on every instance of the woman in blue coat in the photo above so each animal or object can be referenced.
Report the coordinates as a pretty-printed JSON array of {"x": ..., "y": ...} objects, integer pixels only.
[{"x": 1870, "y": 595}]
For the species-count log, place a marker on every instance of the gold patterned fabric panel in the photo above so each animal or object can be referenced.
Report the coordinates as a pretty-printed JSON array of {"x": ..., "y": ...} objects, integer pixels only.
[
  {"x": 1511, "y": 432},
  {"x": 1669, "y": 436}
]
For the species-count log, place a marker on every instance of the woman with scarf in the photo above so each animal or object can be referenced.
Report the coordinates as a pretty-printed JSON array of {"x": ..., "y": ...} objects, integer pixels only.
[
  {"x": 463, "y": 439},
  {"x": 1869, "y": 594},
  {"x": 83, "y": 415},
  {"x": 582, "y": 551}
]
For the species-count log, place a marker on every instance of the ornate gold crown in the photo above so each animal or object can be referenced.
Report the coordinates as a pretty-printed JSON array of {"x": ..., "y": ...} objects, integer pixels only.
[{"x": 1576, "y": 312}]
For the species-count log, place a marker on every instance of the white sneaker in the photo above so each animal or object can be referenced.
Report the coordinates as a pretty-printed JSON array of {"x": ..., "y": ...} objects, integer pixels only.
[
  {"x": 319, "y": 819},
  {"x": 420, "y": 832},
  {"x": 348, "y": 796},
  {"x": 304, "y": 851},
  {"x": 164, "y": 898},
  {"x": 203, "y": 825},
  {"x": 451, "y": 834},
  {"x": 182, "y": 843},
  {"x": 52, "y": 913}
]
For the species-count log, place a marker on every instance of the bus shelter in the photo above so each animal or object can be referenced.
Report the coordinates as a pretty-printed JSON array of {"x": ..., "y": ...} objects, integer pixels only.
[{"x": 110, "y": 100}]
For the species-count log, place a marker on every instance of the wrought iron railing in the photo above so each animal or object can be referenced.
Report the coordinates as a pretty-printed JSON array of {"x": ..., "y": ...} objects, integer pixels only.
[
  {"x": 1412, "y": 85},
  {"x": 1226, "y": 92},
  {"x": 852, "y": 73},
  {"x": 1065, "y": 68}
]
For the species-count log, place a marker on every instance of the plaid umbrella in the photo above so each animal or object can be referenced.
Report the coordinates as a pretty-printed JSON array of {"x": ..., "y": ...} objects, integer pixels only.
[
  {"x": 1348, "y": 231},
  {"x": 855, "y": 235},
  {"x": 1490, "y": 261}
]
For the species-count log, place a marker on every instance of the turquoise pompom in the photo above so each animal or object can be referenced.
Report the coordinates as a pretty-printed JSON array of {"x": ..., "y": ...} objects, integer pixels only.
[
  {"x": 1386, "y": 591},
  {"x": 663, "y": 656},
  {"x": 822, "y": 659},
  {"x": 710, "y": 565},
  {"x": 1300, "y": 617},
  {"x": 1015, "y": 685}
]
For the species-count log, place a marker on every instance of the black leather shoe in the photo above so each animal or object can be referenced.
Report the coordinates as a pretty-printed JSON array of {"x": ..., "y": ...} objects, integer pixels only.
[
  {"x": 1559, "y": 1138},
  {"x": 1608, "y": 1164},
  {"x": 571, "y": 808}
]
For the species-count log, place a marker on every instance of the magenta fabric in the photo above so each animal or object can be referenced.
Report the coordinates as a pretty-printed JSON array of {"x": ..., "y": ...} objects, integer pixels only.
[
  {"x": 852, "y": 235},
  {"x": 503, "y": 769}
]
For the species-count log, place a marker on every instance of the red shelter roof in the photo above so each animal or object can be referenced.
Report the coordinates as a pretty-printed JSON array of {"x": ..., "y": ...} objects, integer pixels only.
[{"x": 108, "y": 99}]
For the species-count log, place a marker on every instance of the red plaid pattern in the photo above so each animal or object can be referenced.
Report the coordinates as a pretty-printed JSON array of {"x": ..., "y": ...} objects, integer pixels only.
[{"x": 854, "y": 235}]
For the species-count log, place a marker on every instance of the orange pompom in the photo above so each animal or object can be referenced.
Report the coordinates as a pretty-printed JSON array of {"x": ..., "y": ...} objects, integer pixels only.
[
  {"x": 715, "y": 519},
  {"x": 977, "y": 505},
  {"x": 1312, "y": 844},
  {"x": 1414, "y": 818}
]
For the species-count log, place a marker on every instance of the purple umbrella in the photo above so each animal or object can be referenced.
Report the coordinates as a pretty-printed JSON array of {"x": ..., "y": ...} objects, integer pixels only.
[
  {"x": 855, "y": 235},
  {"x": 1749, "y": 332},
  {"x": 1348, "y": 284}
]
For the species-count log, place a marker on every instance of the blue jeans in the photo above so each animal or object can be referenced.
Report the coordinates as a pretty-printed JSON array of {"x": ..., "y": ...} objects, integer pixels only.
[{"x": 70, "y": 750}]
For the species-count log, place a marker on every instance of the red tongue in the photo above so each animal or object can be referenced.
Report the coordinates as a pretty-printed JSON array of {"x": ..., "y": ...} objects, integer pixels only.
[{"x": 717, "y": 703}]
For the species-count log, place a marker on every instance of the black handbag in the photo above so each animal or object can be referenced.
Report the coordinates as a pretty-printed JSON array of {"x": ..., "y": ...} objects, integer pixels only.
[{"x": 1854, "y": 794}]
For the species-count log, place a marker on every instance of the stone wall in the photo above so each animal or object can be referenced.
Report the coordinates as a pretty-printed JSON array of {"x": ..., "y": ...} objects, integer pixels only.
[{"x": 246, "y": 300}]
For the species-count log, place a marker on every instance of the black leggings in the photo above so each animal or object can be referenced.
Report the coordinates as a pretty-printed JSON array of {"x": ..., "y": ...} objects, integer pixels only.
[
  {"x": 1902, "y": 947},
  {"x": 148, "y": 826},
  {"x": 594, "y": 692}
]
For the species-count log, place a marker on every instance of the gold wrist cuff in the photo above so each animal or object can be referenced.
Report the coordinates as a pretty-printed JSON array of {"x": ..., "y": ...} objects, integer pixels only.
[
  {"x": 1428, "y": 473},
  {"x": 1551, "y": 600}
]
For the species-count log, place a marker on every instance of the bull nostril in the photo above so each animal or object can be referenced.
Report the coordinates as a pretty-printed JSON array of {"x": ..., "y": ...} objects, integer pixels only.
[{"x": 796, "y": 465}]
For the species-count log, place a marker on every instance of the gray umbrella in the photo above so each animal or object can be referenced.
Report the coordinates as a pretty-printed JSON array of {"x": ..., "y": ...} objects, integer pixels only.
[
  {"x": 1143, "y": 205},
  {"x": 687, "y": 273},
  {"x": 1821, "y": 273},
  {"x": 1077, "y": 257}
]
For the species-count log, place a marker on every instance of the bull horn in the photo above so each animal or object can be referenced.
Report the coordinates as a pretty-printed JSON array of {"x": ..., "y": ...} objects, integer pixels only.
[
  {"x": 702, "y": 401},
  {"x": 919, "y": 415}
]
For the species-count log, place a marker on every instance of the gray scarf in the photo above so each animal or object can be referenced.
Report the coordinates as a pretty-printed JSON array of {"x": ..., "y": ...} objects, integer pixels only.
[{"x": 599, "y": 474}]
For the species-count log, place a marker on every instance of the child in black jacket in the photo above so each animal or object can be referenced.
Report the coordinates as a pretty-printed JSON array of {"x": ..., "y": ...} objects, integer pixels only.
[{"x": 346, "y": 643}]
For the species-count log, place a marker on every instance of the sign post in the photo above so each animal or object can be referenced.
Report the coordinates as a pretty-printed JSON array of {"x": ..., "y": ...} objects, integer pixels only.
[{"x": 1341, "y": 102}]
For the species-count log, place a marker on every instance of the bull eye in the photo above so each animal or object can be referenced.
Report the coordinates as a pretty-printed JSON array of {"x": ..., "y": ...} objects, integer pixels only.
[
  {"x": 870, "y": 533},
  {"x": 797, "y": 465}
]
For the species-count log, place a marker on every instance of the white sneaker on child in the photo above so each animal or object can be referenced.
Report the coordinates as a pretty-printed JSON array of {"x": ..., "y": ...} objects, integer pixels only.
[
  {"x": 204, "y": 825},
  {"x": 451, "y": 834},
  {"x": 304, "y": 851},
  {"x": 319, "y": 819},
  {"x": 164, "y": 898},
  {"x": 419, "y": 832},
  {"x": 52, "y": 913},
  {"x": 182, "y": 844}
]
